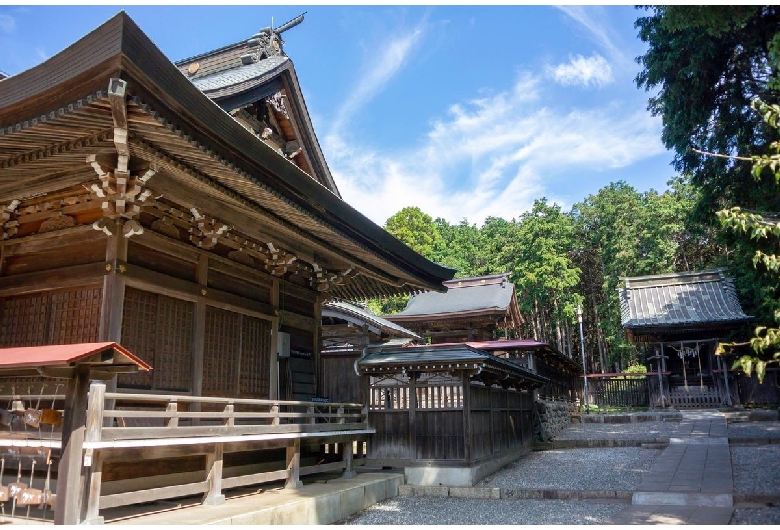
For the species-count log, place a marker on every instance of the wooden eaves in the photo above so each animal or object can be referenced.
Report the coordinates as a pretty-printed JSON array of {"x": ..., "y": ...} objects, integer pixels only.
[{"x": 54, "y": 115}]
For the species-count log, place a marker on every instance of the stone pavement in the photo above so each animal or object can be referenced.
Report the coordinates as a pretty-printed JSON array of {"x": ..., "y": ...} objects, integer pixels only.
[{"x": 691, "y": 482}]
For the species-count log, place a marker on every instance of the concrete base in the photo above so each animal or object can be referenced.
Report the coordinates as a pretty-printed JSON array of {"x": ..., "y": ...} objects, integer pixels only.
[
  {"x": 319, "y": 504},
  {"x": 660, "y": 498},
  {"x": 437, "y": 475}
]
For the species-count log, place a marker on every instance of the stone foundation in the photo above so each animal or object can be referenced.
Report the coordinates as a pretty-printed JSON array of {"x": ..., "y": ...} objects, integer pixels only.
[{"x": 550, "y": 419}]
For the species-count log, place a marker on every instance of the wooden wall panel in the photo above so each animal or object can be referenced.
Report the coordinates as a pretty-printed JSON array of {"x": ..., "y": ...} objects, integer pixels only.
[
  {"x": 173, "y": 350},
  {"x": 155, "y": 260},
  {"x": 221, "y": 352},
  {"x": 158, "y": 329},
  {"x": 139, "y": 322},
  {"x": 54, "y": 257},
  {"x": 255, "y": 358},
  {"x": 66, "y": 316},
  {"x": 24, "y": 320},
  {"x": 75, "y": 315}
]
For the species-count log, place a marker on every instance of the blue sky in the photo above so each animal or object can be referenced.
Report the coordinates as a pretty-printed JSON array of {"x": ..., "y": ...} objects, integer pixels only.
[{"x": 464, "y": 111}]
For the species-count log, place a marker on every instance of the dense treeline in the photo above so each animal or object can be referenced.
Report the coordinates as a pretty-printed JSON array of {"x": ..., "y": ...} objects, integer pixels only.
[
  {"x": 561, "y": 259},
  {"x": 706, "y": 65}
]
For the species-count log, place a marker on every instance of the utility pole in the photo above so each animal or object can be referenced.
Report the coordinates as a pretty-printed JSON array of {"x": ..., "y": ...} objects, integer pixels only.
[{"x": 584, "y": 370}]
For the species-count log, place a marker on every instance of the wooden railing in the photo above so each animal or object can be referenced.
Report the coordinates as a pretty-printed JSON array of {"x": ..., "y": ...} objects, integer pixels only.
[{"x": 124, "y": 429}]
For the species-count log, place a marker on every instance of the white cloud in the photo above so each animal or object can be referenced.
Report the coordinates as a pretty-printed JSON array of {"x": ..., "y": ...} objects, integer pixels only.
[
  {"x": 493, "y": 156},
  {"x": 381, "y": 71},
  {"x": 591, "y": 71},
  {"x": 7, "y": 23},
  {"x": 593, "y": 18}
]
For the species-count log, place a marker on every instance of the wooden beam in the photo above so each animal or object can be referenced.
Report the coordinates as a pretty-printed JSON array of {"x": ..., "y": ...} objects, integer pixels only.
[{"x": 72, "y": 276}]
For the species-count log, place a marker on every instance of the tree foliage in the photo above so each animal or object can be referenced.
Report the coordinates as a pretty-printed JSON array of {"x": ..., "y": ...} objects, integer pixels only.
[{"x": 766, "y": 340}]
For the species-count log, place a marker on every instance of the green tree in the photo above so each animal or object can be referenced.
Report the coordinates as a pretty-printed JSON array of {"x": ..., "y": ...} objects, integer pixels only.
[
  {"x": 543, "y": 272},
  {"x": 706, "y": 64},
  {"x": 416, "y": 229}
]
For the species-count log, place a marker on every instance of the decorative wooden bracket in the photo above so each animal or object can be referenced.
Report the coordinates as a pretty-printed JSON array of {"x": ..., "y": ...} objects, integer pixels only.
[
  {"x": 122, "y": 193},
  {"x": 278, "y": 261},
  {"x": 208, "y": 230},
  {"x": 323, "y": 280},
  {"x": 9, "y": 226}
]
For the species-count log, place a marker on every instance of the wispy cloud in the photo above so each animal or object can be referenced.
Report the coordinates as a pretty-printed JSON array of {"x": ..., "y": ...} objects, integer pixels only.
[
  {"x": 593, "y": 19},
  {"x": 383, "y": 68},
  {"x": 493, "y": 156},
  {"x": 582, "y": 71},
  {"x": 7, "y": 23}
]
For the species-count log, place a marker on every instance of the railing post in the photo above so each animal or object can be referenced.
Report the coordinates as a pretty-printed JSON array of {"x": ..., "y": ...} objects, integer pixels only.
[
  {"x": 294, "y": 466},
  {"x": 346, "y": 449},
  {"x": 230, "y": 419},
  {"x": 173, "y": 421},
  {"x": 214, "y": 466},
  {"x": 340, "y": 412},
  {"x": 93, "y": 463},
  {"x": 275, "y": 412},
  {"x": 310, "y": 411}
]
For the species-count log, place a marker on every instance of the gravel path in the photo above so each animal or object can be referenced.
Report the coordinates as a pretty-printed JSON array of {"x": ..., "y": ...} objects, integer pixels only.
[
  {"x": 615, "y": 468},
  {"x": 447, "y": 511},
  {"x": 646, "y": 430}
]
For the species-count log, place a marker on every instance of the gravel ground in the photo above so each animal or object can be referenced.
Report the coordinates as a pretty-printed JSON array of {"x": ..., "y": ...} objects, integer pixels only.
[
  {"x": 614, "y": 468},
  {"x": 446, "y": 511},
  {"x": 756, "y": 516},
  {"x": 646, "y": 430},
  {"x": 756, "y": 469},
  {"x": 755, "y": 429}
]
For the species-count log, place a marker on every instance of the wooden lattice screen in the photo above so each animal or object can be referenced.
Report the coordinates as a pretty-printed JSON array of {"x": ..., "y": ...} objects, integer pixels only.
[
  {"x": 53, "y": 317},
  {"x": 159, "y": 330},
  {"x": 255, "y": 357},
  {"x": 221, "y": 352}
]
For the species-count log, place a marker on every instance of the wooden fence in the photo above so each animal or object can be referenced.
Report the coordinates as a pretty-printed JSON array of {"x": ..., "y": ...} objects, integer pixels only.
[
  {"x": 453, "y": 421},
  {"x": 154, "y": 447}
]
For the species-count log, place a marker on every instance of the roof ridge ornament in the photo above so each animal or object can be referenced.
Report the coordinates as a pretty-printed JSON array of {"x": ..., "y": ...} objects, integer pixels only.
[{"x": 268, "y": 41}]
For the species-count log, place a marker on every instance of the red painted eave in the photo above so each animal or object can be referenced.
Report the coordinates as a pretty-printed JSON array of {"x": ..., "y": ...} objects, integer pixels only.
[{"x": 62, "y": 355}]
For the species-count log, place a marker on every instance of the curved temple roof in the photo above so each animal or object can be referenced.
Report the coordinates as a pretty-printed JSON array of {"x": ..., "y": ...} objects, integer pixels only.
[
  {"x": 684, "y": 299},
  {"x": 54, "y": 115}
]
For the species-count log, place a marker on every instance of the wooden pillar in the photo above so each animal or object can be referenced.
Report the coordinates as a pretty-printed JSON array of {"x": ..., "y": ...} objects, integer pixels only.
[
  {"x": 273, "y": 388},
  {"x": 294, "y": 466},
  {"x": 199, "y": 334},
  {"x": 113, "y": 301},
  {"x": 346, "y": 450},
  {"x": 317, "y": 343},
  {"x": 465, "y": 381},
  {"x": 93, "y": 463},
  {"x": 214, "y": 467},
  {"x": 70, "y": 485},
  {"x": 412, "y": 410}
]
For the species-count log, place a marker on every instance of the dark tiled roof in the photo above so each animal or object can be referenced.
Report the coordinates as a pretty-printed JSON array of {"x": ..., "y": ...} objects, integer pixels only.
[
  {"x": 443, "y": 355},
  {"x": 470, "y": 296},
  {"x": 234, "y": 76},
  {"x": 365, "y": 315},
  {"x": 683, "y": 299}
]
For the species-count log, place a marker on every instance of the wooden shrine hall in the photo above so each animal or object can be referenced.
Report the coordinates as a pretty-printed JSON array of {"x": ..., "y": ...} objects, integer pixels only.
[
  {"x": 482, "y": 308},
  {"x": 186, "y": 213},
  {"x": 679, "y": 319}
]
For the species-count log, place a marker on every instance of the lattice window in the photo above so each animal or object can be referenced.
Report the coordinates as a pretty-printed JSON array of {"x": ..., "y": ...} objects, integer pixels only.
[
  {"x": 159, "y": 330},
  {"x": 139, "y": 328},
  {"x": 173, "y": 351},
  {"x": 75, "y": 315},
  {"x": 255, "y": 357},
  {"x": 24, "y": 321},
  {"x": 222, "y": 348}
]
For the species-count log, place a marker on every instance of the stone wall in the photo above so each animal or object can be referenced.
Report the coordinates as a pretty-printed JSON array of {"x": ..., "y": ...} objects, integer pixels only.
[{"x": 550, "y": 418}]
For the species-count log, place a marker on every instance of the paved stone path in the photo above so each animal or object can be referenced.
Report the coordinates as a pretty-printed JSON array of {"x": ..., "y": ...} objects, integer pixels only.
[{"x": 691, "y": 482}]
